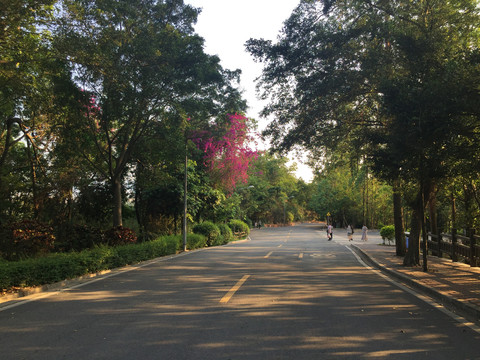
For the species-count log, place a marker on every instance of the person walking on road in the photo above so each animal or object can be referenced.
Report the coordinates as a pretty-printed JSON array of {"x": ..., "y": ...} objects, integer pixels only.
[
  {"x": 364, "y": 233},
  {"x": 330, "y": 232},
  {"x": 350, "y": 232}
]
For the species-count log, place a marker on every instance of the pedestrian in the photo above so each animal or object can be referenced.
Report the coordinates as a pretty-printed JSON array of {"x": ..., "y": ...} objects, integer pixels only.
[
  {"x": 364, "y": 233},
  {"x": 330, "y": 232},
  {"x": 350, "y": 232}
]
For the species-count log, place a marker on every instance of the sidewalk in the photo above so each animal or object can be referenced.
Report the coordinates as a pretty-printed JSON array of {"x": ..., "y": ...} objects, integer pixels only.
[{"x": 455, "y": 285}]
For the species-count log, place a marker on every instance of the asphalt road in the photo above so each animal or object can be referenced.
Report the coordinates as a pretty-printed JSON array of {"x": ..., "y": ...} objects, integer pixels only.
[{"x": 286, "y": 294}]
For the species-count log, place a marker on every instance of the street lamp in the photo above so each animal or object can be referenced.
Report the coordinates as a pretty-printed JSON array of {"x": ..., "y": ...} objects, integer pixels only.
[{"x": 185, "y": 203}]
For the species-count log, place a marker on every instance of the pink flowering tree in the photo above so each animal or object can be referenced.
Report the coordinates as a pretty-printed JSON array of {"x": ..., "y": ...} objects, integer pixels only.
[{"x": 227, "y": 152}]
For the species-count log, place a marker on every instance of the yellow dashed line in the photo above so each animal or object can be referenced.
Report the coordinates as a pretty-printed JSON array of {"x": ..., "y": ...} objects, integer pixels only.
[{"x": 234, "y": 289}]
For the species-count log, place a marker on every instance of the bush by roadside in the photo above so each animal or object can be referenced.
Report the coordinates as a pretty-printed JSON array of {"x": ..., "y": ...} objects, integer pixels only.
[
  {"x": 61, "y": 266},
  {"x": 77, "y": 237},
  {"x": 226, "y": 233},
  {"x": 209, "y": 230},
  {"x": 25, "y": 239},
  {"x": 55, "y": 267},
  {"x": 387, "y": 232},
  {"x": 239, "y": 228},
  {"x": 30, "y": 238}
]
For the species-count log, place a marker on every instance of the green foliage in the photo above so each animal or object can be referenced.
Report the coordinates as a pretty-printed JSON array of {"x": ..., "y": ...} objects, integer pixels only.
[
  {"x": 387, "y": 232},
  {"x": 77, "y": 237},
  {"x": 209, "y": 230},
  {"x": 26, "y": 238},
  {"x": 93, "y": 203},
  {"x": 226, "y": 233},
  {"x": 352, "y": 197},
  {"x": 239, "y": 228},
  {"x": 120, "y": 236},
  {"x": 391, "y": 84},
  {"x": 195, "y": 241},
  {"x": 58, "y": 267},
  {"x": 125, "y": 68},
  {"x": 272, "y": 193}
]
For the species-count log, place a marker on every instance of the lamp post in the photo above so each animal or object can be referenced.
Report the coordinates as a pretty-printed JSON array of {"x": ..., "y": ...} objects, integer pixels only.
[{"x": 185, "y": 203}]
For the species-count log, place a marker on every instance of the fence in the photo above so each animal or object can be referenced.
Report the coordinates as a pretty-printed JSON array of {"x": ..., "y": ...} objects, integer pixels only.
[{"x": 456, "y": 247}]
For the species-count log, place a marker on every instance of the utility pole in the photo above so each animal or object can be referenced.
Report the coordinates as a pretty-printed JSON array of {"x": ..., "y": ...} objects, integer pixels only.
[{"x": 185, "y": 203}]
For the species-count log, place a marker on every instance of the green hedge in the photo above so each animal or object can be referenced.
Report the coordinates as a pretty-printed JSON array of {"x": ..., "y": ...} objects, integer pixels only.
[
  {"x": 195, "y": 241},
  {"x": 57, "y": 267},
  {"x": 226, "y": 233},
  {"x": 239, "y": 229},
  {"x": 210, "y": 231}
]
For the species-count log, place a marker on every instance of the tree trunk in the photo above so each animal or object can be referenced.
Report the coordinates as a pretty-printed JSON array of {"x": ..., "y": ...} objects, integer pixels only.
[
  {"x": 70, "y": 205},
  {"x": 138, "y": 205},
  {"x": 401, "y": 248},
  {"x": 432, "y": 210},
  {"x": 117, "y": 202},
  {"x": 412, "y": 258},
  {"x": 33, "y": 178},
  {"x": 468, "y": 197}
]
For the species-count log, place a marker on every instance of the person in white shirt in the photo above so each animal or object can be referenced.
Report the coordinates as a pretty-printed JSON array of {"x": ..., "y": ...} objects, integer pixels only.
[
  {"x": 364, "y": 233},
  {"x": 350, "y": 232}
]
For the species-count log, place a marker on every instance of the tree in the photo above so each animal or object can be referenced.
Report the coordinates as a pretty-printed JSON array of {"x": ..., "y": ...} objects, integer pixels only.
[
  {"x": 396, "y": 80},
  {"x": 24, "y": 50},
  {"x": 139, "y": 62},
  {"x": 227, "y": 152},
  {"x": 273, "y": 194}
]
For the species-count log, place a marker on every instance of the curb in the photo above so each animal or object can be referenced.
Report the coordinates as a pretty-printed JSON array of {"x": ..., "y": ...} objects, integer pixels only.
[
  {"x": 28, "y": 292},
  {"x": 468, "y": 310}
]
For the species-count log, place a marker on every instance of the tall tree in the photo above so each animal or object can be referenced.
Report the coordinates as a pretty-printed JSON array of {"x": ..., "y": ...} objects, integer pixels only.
[
  {"x": 23, "y": 55},
  {"x": 138, "y": 62},
  {"x": 397, "y": 80}
]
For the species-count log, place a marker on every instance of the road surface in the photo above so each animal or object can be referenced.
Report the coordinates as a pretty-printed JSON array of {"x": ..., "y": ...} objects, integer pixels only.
[{"x": 286, "y": 294}]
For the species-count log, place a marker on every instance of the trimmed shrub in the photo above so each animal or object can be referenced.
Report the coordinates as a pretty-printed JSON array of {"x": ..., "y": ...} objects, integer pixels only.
[
  {"x": 120, "y": 236},
  {"x": 58, "y": 267},
  {"x": 239, "y": 228},
  {"x": 209, "y": 230},
  {"x": 196, "y": 241},
  {"x": 26, "y": 238},
  {"x": 387, "y": 232},
  {"x": 226, "y": 233}
]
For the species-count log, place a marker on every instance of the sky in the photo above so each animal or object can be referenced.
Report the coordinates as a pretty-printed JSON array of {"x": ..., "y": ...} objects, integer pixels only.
[{"x": 226, "y": 25}]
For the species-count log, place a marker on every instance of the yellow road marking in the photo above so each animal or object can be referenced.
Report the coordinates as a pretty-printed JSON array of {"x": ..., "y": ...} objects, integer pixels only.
[
  {"x": 233, "y": 290},
  {"x": 280, "y": 245},
  {"x": 268, "y": 255}
]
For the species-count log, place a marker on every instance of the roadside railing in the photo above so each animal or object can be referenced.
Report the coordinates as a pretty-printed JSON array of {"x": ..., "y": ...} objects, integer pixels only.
[{"x": 457, "y": 247}]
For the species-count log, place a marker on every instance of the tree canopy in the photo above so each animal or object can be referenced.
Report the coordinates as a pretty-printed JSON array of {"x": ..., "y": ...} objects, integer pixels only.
[{"x": 397, "y": 81}]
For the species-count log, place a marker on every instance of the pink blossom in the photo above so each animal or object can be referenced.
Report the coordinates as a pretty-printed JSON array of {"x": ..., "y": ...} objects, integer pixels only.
[{"x": 228, "y": 158}]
